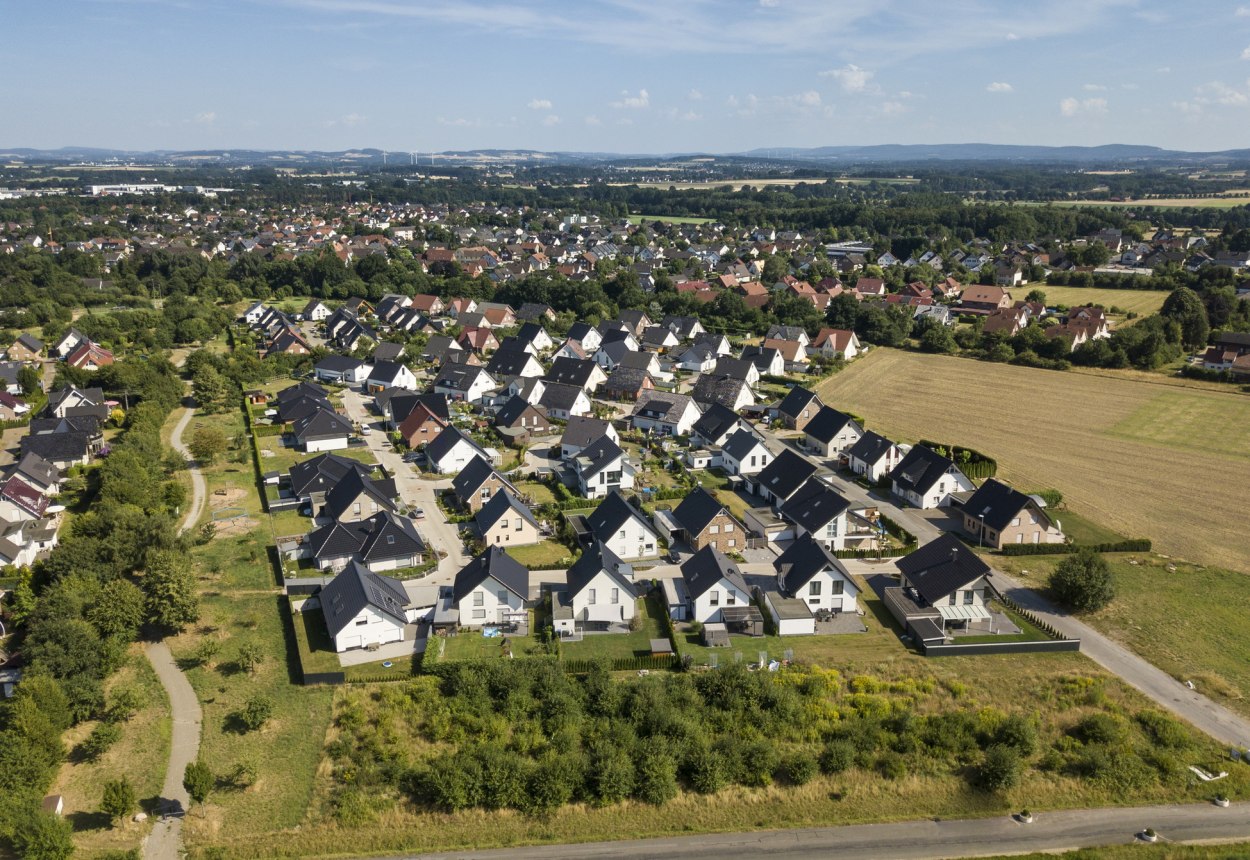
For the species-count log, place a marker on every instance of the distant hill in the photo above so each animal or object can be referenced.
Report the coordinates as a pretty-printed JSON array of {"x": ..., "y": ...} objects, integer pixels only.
[{"x": 840, "y": 155}]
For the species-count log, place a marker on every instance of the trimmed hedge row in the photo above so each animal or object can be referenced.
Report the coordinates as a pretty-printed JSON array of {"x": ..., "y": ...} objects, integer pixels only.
[
  {"x": 1132, "y": 545},
  {"x": 977, "y": 466},
  {"x": 894, "y": 530},
  {"x": 1033, "y": 619}
]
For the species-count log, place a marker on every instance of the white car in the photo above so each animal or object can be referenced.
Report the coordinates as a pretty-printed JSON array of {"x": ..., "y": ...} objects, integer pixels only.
[{"x": 365, "y": 430}]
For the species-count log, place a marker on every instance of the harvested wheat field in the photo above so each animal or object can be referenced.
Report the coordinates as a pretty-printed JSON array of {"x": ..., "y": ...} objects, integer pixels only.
[{"x": 1128, "y": 453}]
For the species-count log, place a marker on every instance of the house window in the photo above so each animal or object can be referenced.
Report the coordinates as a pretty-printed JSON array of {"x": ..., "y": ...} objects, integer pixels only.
[
  {"x": 520, "y": 523},
  {"x": 361, "y": 622},
  {"x": 728, "y": 528},
  {"x": 1016, "y": 521},
  {"x": 1020, "y": 537},
  {"x": 479, "y": 598},
  {"x": 503, "y": 596},
  {"x": 837, "y": 587},
  {"x": 503, "y": 524},
  {"x": 713, "y": 530},
  {"x": 390, "y": 540},
  {"x": 969, "y": 597},
  {"x": 714, "y": 598},
  {"x": 622, "y": 534},
  {"x": 616, "y": 595},
  {"x": 593, "y": 597},
  {"x": 814, "y": 588},
  {"x": 730, "y": 598},
  {"x": 954, "y": 598},
  {"x": 356, "y": 508},
  {"x": 479, "y": 613},
  {"x": 731, "y": 543},
  {"x": 485, "y": 493}
]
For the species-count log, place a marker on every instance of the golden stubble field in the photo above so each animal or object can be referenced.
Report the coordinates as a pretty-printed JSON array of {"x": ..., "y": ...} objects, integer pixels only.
[{"x": 1145, "y": 458}]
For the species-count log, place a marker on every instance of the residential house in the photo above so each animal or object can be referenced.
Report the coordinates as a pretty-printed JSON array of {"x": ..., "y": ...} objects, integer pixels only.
[
  {"x": 384, "y": 541},
  {"x": 342, "y": 369},
  {"x": 598, "y": 594},
  {"x": 507, "y": 363},
  {"x": 311, "y": 479},
  {"x": 390, "y": 374},
  {"x": 797, "y": 408},
  {"x": 713, "y": 583},
  {"x": 998, "y": 515},
  {"x": 926, "y": 479},
  {"x": 944, "y": 585},
  {"x": 37, "y": 473},
  {"x": 660, "y": 338},
  {"x": 818, "y": 510},
  {"x": 477, "y": 483},
  {"x": 627, "y": 383},
  {"x": 836, "y": 343},
  {"x": 463, "y": 382},
  {"x": 519, "y": 421},
  {"x": 564, "y": 401},
  {"x": 768, "y": 360},
  {"x": 698, "y": 358},
  {"x": 493, "y": 588},
  {"x": 421, "y": 425},
  {"x": 586, "y": 374},
  {"x": 983, "y": 300},
  {"x": 874, "y": 456},
  {"x": 71, "y": 340},
  {"x": 322, "y": 430},
  {"x": 602, "y": 466},
  {"x": 716, "y": 425},
  {"x": 363, "y": 609},
  {"x": 664, "y": 414},
  {"x": 315, "y": 311},
  {"x": 581, "y": 431},
  {"x": 506, "y": 521},
  {"x": 831, "y": 432},
  {"x": 452, "y": 450},
  {"x": 89, "y": 356},
  {"x": 809, "y": 571},
  {"x": 621, "y": 527},
  {"x": 782, "y": 478},
  {"x": 1006, "y": 321},
  {"x": 62, "y": 450},
  {"x": 357, "y": 497},
  {"x": 702, "y": 520},
  {"x": 27, "y": 347},
  {"x": 744, "y": 453},
  {"x": 585, "y": 335},
  {"x": 729, "y": 391}
]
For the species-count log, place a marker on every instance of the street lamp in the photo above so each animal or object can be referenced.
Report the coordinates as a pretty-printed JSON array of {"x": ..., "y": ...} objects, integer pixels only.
[{"x": 981, "y": 530}]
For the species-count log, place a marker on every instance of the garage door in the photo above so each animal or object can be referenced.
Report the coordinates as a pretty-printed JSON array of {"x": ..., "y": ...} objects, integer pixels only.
[{"x": 346, "y": 642}]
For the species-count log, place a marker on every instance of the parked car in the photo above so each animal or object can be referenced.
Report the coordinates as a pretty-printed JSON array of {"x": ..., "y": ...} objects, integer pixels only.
[
  {"x": 418, "y": 513},
  {"x": 365, "y": 430}
]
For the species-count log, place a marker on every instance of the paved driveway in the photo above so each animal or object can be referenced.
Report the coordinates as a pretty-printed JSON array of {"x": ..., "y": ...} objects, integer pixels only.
[{"x": 415, "y": 491}]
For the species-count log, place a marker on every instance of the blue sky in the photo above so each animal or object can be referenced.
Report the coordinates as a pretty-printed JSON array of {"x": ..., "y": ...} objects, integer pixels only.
[{"x": 623, "y": 75}]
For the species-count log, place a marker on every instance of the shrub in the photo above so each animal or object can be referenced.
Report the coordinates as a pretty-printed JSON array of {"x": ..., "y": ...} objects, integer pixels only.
[
  {"x": 891, "y": 765},
  {"x": 255, "y": 713},
  {"x": 705, "y": 770},
  {"x": 100, "y": 741},
  {"x": 758, "y": 764},
  {"x": 1101, "y": 729},
  {"x": 1163, "y": 729},
  {"x": 799, "y": 768},
  {"x": 1000, "y": 769},
  {"x": 124, "y": 704},
  {"x": 1019, "y": 733},
  {"x": 657, "y": 777},
  {"x": 1084, "y": 581},
  {"x": 837, "y": 756},
  {"x": 352, "y": 808},
  {"x": 611, "y": 775},
  {"x": 552, "y": 784},
  {"x": 119, "y": 799}
]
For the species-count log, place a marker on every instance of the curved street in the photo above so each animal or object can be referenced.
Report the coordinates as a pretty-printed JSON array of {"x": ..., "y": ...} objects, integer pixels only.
[{"x": 163, "y": 843}]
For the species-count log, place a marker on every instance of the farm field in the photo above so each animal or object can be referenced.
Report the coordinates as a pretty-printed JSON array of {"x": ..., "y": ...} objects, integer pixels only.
[
  {"x": 1214, "y": 202},
  {"x": 1141, "y": 302},
  {"x": 1095, "y": 438}
]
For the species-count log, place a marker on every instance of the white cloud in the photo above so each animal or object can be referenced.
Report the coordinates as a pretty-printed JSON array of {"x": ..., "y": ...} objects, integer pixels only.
[
  {"x": 694, "y": 95},
  {"x": 539, "y": 104},
  {"x": 1079, "y": 107},
  {"x": 852, "y": 78},
  {"x": 550, "y": 120},
  {"x": 1242, "y": 12},
  {"x": 642, "y": 100},
  {"x": 458, "y": 122},
  {"x": 349, "y": 121},
  {"x": 1012, "y": 37},
  {"x": 1163, "y": 70},
  {"x": 770, "y": 4},
  {"x": 682, "y": 115},
  {"x": 892, "y": 108},
  {"x": 1245, "y": 55},
  {"x": 1094, "y": 88},
  {"x": 1188, "y": 108},
  {"x": 999, "y": 87},
  {"x": 593, "y": 120},
  {"x": 1220, "y": 93},
  {"x": 208, "y": 117}
]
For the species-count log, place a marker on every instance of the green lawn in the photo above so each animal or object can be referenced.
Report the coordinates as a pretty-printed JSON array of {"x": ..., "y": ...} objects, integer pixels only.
[
  {"x": 620, "y": 645},
  {"x": 1190, "y": 622},
  {"x": 290, "y": 522},
  {"x": 472, "y": 645},
  {"x": 316, "y": 651},
  {"x": 544, "y": 555},
  {"x": 668, "y": 219},
  {"x": 540, "y": 493},
  {"x": 1083, "y": 531},
  {"x": 278, "y": 457}
]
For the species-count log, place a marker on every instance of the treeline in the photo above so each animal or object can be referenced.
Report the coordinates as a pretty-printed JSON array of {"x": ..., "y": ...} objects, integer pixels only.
[{"x": 118, "y": 570}]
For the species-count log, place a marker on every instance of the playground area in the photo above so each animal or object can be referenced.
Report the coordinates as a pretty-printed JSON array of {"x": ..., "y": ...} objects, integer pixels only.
[{"x": 227, "y": 515}]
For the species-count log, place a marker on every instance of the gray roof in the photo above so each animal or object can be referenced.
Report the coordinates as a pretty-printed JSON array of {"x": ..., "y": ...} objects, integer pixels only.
[
  {"x": 697, "y": 510},
  {"x": 998, "y": 504},
  {"x": 715, "y": 422},
  {"x": 595, "y": 560},
  {"x": 323, "y": 472},
  {"x": 338, "y": 364},
  {"x": 493, "y": 562},
  {"x": 559, "y": 395},
  {"x": 610, "y": 516},
  {"x": 472, "y": 476},
  {"x": 784, "y": 475},
  {"x": 829, "y": 422},
  {"x": 349, "y": 488},
  {"x": 814, "y": 505},
  {"x": 706, "y": 568},
  {"x": 795, "y": 401},
  {"x": 502, "y": 505},
  {"x": 921, "y": 469},
  {"x": 582, "y": 430},
  {"x": 870, "y": 448},
  {"x": 941, "y": 566},
  {"x": 386, "y": 372},
  {"x": 741, "y": 443},
  {"x": 343, "y": 598},
  {"x": 322, "y": 424},
  {"x": 713, "y": 388},
  {"x": 801, "y": 561}
]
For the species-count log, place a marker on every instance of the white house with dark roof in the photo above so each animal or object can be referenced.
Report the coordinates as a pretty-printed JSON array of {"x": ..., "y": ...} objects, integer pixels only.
[
  {"x": 363, "y": 609},
  {"x": 831, "y": 432},
  {"x": 602, "y": 466},
  {"x": 322, "y": 430},
  {"x": 493, "y": 588},
  {"x": 665, "y": 414},
  {"x": 744, "y": 453},
  {"x": 598, "y": 594},
  {"x": 581, "y": 431},
  {"x": 873, "y": 456},
  {"x": 390, "y": 374},
  {"x": 452, "y": 450},
  {"x": 927, "y": 479},
  {"x": 713, "y": 583},
  {"x": 622, "y": 528}
]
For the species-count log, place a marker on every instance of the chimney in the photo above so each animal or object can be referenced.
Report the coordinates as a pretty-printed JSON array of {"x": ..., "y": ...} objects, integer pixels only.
[{"x": 954, "y": 552}]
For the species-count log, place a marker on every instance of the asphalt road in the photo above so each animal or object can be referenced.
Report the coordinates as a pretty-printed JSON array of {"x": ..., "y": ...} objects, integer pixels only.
[{"x": 911, "y": 840}]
